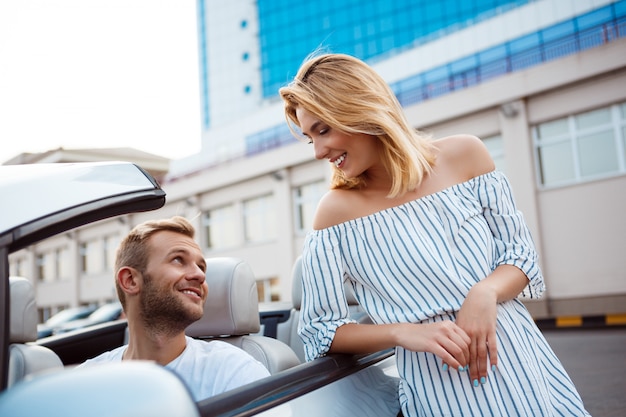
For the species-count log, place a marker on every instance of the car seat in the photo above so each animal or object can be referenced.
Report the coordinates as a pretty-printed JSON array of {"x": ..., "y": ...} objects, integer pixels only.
[
  {"x": 124, "y": 389},
  {"x": 25, "y": 358},
  {"x": 231, "y": 314}
]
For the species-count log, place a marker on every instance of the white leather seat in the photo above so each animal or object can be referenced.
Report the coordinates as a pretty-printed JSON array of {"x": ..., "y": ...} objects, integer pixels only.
[
  {"x": 231, "y": 314},
  {"x": 24, "y": 358},
  {"x": 124, "y": 389}
]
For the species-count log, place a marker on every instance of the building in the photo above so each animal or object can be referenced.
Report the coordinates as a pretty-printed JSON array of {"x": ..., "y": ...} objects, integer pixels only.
[{"x": 543, "y": 83}]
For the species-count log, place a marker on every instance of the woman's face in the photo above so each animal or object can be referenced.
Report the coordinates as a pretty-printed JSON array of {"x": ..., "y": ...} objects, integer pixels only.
[{"x": 352, "y": 153}]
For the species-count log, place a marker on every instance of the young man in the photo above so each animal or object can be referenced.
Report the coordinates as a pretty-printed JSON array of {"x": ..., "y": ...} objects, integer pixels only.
[{"x": 160, "y": 281}]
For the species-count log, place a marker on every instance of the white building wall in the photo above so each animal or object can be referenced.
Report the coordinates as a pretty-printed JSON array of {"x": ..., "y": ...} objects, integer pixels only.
[{"x": 580, "y": 230}]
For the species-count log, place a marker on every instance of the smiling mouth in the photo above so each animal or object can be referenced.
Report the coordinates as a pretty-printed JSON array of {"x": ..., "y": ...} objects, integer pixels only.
[
  {"x": 339, "y": 160},
  {"x": 192, "y": 293}
]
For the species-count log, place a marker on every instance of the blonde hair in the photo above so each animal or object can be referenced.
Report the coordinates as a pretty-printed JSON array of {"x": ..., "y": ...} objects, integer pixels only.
[
  {"x": 348, "y": 95},
  {"x": 134, "y": 252}
]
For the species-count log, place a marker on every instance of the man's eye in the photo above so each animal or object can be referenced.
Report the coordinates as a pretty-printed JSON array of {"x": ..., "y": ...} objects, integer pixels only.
[{"x": 324, "y": 131}]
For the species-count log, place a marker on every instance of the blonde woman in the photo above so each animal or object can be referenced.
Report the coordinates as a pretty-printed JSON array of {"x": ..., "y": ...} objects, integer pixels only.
[{"x": 428, "y": 235}]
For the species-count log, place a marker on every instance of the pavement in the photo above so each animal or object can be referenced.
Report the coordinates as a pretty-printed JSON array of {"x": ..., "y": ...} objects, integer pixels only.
[{"x": 595, "y": 359}]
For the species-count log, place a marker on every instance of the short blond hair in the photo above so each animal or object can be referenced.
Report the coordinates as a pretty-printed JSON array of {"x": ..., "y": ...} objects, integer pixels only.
[
  {"x": 133, "y": 251},
  {"x": 348, "y": 95}
]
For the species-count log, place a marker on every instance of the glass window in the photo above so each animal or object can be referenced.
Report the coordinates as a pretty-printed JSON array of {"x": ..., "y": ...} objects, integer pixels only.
[
  {"x": 597, "y": 154},
  {"x": 259, "y": 219},
  {"x": 91, "y": 257},
  {"x": 496, "y": 150},
  {"x": 63, "y": 264},
  {"x": 305, "y": 199},
  {"x": 45, "y": 263},
  {"x": 18, "y": 268},
  {"x": 582, "y": 146},
  {"x": 557, "y": 163},
  {"x": 593, "y": 118},
  {"x": 551, "y": 129},
  {"x": 221, "y": 227},
  {"x": 110, "y": 244},
  {"x": 558, "y": 31}
]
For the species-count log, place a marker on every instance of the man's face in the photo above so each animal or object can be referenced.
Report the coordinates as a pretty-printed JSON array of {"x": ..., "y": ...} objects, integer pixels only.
[{"x": 174, "y": 286}]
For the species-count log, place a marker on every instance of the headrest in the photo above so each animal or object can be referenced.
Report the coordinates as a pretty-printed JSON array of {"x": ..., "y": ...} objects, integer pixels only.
[
  {"x": 232, "y": 306},
  {"x": 23, "y": 311},
  {"x": 123, "y": 389},
  {"x": 296, "y": 286}
]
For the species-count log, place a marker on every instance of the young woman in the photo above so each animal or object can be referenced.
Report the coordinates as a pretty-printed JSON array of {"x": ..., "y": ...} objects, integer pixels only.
[{"x": 428, "y": 235}]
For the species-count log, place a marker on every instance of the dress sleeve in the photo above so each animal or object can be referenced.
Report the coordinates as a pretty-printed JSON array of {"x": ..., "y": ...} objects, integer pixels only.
[
  {"x": 514, "y": 244},
  {"x": 324, "y": 306}
]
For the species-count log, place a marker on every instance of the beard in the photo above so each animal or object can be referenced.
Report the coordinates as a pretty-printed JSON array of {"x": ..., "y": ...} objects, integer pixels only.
[{"x": 162, "y": 311}]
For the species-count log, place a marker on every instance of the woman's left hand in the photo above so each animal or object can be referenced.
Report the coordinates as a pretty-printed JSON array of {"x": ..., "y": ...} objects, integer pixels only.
[{"x": 477, "y": 317}]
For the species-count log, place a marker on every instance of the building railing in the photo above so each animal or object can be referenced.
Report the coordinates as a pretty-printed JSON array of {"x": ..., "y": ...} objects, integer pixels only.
[{"x": 421, "y": 90}]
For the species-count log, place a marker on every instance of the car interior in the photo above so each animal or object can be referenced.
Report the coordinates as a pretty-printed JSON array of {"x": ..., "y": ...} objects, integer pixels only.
[
  {"x": 26, "y": 358},
  {"x": 231, "y": 315}
]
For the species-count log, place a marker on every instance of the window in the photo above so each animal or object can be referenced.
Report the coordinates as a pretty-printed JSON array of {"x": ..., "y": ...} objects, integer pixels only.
[
  {"x": 582, "y": 147},
  {"x": 109, "y": 245},
  {"x": 45, "y": 264},
  {"x": 91, "y": 258},
  {"x": 496, "y": 150},
  {"x": 220, "y": 227},
  {"x": 259, "y": 219},
  {"x": 18, "y": 268},
  {"x": 63, "y": 264},
  {"x": 268, "y": 290},
  {"x": 305, "y": 200}
]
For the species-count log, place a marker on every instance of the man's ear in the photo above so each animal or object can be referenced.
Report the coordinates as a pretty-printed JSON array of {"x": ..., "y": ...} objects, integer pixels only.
[{"x": 129, "y": 279}]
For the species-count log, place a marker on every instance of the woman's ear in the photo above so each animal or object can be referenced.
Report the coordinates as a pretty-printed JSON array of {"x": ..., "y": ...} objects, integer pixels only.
[{"x": 129, "y": 280}]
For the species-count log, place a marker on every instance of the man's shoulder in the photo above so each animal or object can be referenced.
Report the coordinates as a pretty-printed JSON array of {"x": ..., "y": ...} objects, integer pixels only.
[{"x": 214, "y": 346}]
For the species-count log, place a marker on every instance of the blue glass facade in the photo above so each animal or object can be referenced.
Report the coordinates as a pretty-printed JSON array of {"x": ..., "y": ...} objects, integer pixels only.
[
  {"x": 289, "y": 31},
  {"x": 586, "y": 31}
]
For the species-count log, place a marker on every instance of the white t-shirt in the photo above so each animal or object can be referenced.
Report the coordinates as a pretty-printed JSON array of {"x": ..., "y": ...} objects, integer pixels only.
[{"x": 207, "y": 368}]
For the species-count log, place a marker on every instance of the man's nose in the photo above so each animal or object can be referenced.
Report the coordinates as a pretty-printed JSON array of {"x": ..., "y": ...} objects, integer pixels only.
[{"x": 197, "y": 273}]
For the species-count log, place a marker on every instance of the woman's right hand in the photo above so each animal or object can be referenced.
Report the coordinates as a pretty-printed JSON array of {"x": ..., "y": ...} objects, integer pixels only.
[{"x": 444, "y": 338}]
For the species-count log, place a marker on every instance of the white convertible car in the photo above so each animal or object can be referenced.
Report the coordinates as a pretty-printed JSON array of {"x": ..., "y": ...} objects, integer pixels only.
[{"x": 37, "y": 376}]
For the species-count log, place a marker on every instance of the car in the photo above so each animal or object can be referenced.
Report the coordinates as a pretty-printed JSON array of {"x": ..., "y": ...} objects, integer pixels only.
[
  {"x": 48, "y": 327},
  {"x": 47, "y": 384},
  {"x": 104, "y": 313}
]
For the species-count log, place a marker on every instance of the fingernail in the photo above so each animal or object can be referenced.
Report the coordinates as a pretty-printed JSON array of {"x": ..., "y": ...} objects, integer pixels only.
[
  {"x": 445, "y": 367},
  {"x": 493, "y": 368},
  {"x": 483, "y": 379},
  {"x": 461, "y": 369},
  {"x": 475, "y": 382},
  {"x": 466, "y": 367}
]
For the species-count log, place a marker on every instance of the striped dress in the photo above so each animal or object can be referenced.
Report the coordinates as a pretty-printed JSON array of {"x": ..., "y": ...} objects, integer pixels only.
[{"x": 416, "y": 263}]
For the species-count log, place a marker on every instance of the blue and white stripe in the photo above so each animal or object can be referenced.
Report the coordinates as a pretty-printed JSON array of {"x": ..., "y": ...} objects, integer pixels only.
[{"x": 415, "y": 263}]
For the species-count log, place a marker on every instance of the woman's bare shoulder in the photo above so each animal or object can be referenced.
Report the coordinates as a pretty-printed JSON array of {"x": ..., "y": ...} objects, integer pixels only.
[
  {"x": 335, "y": 207},
  {"x": 466, "y": 154}
]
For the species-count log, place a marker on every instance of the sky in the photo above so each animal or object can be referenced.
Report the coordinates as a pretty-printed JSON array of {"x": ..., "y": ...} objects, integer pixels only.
[{"x": 98, "y": 74}]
